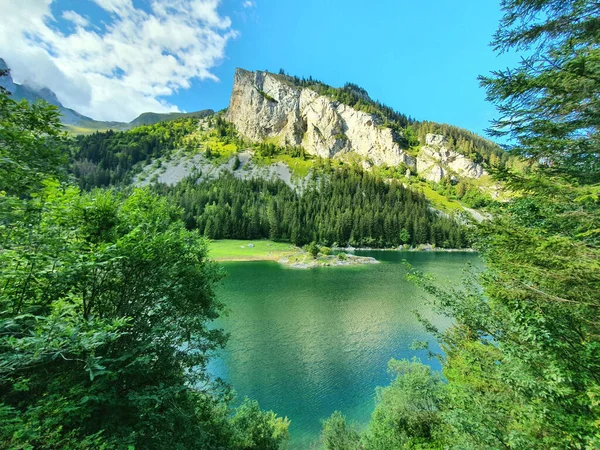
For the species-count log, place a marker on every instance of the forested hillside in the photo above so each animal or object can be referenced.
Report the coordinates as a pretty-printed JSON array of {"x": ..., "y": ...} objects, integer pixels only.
[
  {"x": 111, "y": 158},
  {"x": 107, "y": 158},
  {"x": 347, "y": 206}
]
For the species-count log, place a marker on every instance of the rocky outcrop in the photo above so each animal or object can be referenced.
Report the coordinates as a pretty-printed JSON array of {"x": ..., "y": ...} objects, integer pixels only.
[
  {"x": 269, "y": 107},
  {"x": 266, "y": 106},
  {"x": 436, "y": 161}
]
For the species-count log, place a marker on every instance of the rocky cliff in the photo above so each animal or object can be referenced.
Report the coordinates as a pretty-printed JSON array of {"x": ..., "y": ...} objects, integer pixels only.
[
  {"x": 436, "y": 161},
  {"x": 265, "y": 106},
  {"x": 269, "y": 107}
]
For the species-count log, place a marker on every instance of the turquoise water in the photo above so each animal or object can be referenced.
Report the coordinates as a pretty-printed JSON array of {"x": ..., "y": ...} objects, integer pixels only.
[{"x": 305, "y": 343}]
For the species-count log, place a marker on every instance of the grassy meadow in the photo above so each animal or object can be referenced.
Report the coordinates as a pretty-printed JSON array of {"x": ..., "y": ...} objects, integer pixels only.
[{"x": 234, "y": 250}]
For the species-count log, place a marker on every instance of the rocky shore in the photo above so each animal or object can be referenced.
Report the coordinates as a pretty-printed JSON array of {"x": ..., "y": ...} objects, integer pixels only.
[{"x": 305, "y": 261}]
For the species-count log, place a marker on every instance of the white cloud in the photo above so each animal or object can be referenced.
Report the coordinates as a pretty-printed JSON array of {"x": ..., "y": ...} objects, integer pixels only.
[
  {"x": 123, "y": 70},
  {"x": 249, "y": 4},
  {"x": 78, "y": 20}
]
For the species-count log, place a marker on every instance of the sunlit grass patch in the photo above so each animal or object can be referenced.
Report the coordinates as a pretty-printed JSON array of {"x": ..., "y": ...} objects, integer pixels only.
[{"x": 237, "y": 250}]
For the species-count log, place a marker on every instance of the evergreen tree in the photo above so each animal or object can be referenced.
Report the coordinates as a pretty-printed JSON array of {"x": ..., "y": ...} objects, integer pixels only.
[{"x": 348, "y": 206}]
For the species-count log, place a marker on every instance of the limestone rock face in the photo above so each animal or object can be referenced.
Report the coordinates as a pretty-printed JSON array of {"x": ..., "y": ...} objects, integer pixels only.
[
  {"x": 265, "y": 106},
  {"x": 436, "y": 161},
  {"x": 269, "y": 107}
]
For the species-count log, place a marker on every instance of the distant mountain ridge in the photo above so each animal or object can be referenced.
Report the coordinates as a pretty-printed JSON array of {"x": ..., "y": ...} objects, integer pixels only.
[{"x": 76, "y": 122}]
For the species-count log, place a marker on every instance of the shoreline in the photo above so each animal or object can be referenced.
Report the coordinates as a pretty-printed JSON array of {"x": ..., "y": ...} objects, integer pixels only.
[
  {"x": 442, "y": 250},
  {"x": 283, "y": 255}
]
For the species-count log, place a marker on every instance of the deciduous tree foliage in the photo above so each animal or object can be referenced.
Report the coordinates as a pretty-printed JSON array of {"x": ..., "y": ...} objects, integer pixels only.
[
  {"x": 32, "y": 145},
  {"x": 106, "y": 302}
]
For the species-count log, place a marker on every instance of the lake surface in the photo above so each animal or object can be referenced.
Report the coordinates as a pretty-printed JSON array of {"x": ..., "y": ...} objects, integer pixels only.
[{"x": 306, "y": 343}]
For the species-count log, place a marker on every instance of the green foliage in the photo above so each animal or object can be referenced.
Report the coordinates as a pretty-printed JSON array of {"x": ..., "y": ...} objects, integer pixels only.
[
  {"x": 266, "y": 96},
  {"x": 408, "y": 411},
  {"x": 269, "y": 149},
  {"x": 341, "y": 136},
  {"x": 106, "y": 304},
  {"x": 549, "y": 103},
  {"x": 313, "y": 249},
  {"x": 32, "y": 145},
  {"x": 348, "y": 206},
  {"x": 465, "y": 190},
  {"x": 408, "y": 414},
  {"x": 411, "y": 136},
  {"x": 102, "y": 311},
  {"x": 255, "y": 429},
  {"x": 541, "y": 249},
  {"x": 236, "y": 163},
  {"x": 404, "y": 236},
  {"x": 338, "y": 435}
]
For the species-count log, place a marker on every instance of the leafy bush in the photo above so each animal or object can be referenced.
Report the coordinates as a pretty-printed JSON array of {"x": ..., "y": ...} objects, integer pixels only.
[{"x": 338, "y": 435}]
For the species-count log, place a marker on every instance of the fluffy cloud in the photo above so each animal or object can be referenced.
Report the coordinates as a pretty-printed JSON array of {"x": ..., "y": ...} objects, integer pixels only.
[
  {"x": 249, "y": 4},
  {"x": 119, "y": 68},
  {"x": 72, "y": 16}
]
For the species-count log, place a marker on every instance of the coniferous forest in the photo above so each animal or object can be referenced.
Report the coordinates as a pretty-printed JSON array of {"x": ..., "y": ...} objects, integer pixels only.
[{"x": 347, "y": 207}]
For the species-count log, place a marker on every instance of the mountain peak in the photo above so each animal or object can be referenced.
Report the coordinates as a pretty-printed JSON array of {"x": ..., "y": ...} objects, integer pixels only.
[
  {"x": 6, "y": 81},
  {"x": 48, "y": 95}
]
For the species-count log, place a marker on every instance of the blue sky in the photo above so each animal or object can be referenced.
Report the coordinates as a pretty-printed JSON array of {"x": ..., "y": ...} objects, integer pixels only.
[{"x": 113, "y": 59}]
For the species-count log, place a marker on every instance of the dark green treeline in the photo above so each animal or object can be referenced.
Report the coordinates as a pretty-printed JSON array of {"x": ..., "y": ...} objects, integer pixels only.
[{"x": 348, "y": 206}]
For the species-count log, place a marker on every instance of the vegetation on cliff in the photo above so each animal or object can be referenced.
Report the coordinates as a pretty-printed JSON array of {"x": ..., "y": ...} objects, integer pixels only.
[{"x": 408, "y": 132}]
